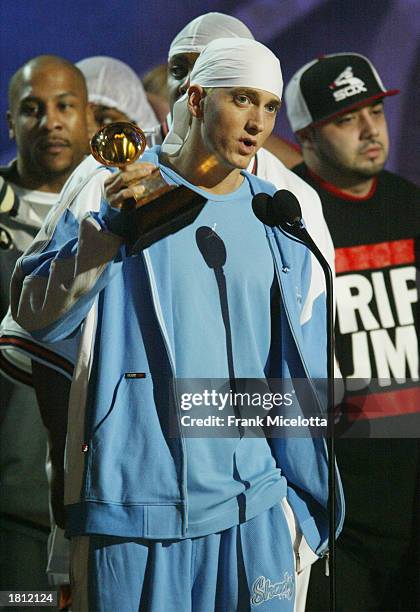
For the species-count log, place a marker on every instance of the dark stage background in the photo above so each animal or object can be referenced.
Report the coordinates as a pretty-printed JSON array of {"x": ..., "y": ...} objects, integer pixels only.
[{"x": 139, "y": 33}]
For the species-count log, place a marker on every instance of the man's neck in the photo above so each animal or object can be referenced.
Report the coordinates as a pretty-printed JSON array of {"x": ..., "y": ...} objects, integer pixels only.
[
  {"x": 23, "y": 178},
  {"x": 202, "y": 169},
  {"x": 351, "y": 184}
]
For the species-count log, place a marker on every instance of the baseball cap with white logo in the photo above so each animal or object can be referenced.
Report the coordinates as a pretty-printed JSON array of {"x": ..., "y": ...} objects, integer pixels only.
[{"x": 330, "y": 86}]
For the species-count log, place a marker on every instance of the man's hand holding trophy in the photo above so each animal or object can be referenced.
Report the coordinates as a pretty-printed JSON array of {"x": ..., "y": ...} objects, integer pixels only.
[{"x": 150, "y": 208}]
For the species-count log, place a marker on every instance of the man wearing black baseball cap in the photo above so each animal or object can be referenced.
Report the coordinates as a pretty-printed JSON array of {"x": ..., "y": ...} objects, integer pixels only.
[{"x": 335, "y": 107}]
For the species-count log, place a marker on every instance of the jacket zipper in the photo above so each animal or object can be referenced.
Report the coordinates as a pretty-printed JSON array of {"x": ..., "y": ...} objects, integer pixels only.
[
  {"x": 297, "y": 553},
  {"x": 291, "y": 327},
  {"x": 324, "y": 549}
]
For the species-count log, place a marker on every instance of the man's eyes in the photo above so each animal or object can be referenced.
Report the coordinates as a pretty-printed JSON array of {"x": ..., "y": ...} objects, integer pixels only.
[
  {"x": 377, "y": 110},
  {"x": 344, "y": 119},
  {"x": 242, "y": 99},
  {"x": 178, "y": 71},
  {"x": 65, "y": 105},
  {"x": 32, "y": 109},
  {"x": 103, "y": 119},
  {"x": 245, "y": 100},
  {"x": 29, "y": 109}
]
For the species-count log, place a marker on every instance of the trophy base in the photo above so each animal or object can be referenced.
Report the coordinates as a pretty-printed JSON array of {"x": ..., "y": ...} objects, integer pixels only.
[
  {"x": 169, "y": 212},
  {"x": 154, "y": 187}
]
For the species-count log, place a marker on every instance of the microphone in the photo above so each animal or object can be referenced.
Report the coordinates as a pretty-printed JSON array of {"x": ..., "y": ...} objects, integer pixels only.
[
  {"x": 286, "y": 208},
  {"x": 283, "y": 210},
  {"x": 263, "y": 210}
]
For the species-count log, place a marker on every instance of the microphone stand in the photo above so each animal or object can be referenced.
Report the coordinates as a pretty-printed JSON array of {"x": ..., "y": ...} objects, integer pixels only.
[
  {"x": 297, "y": 230},
  {"x": 283, "y": 210}
]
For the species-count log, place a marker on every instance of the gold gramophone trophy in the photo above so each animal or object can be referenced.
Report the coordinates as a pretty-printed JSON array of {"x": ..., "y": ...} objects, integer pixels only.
[{"x": 162, "y": 209}]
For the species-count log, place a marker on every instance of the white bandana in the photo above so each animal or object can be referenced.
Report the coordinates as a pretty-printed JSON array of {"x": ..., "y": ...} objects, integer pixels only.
[
  {"x": 113, "y": 83},
  {"x": 226, "y": 62},
  {"x": 203, "y": 29}
]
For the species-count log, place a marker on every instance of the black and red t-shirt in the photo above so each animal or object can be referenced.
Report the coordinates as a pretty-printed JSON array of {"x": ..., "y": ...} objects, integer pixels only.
[{"x": 376, "y": 239}]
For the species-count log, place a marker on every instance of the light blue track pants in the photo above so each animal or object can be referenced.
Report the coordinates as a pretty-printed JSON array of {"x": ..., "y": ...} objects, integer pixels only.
[{"x": 248, "y": 567}]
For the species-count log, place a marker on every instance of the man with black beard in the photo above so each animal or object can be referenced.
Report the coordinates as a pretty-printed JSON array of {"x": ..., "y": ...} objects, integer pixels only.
[{"x": 335, "y": 106}]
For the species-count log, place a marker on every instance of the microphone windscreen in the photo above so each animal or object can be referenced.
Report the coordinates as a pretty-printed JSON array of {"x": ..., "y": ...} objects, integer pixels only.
[
  {"x": 261, "y": 205},
  {"x": 286, "y": 208},
  {"x": 211, "y": 247}
]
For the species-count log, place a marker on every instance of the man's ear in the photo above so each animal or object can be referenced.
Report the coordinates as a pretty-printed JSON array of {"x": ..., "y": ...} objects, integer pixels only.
[
  {"x": 196, "y": 95},
  {"x": 92, "y": 127},
  {"x": 11, "y": 125},
  {"x": 305, "y": 137}
]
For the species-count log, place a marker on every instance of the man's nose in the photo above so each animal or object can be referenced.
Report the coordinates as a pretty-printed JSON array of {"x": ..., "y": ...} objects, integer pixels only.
[
  {"x": 51, "y": 119},
  {"x": 183, "y": 87},
  {"x": 256, "y": 122},
  {"x": 368, "y": 126}
]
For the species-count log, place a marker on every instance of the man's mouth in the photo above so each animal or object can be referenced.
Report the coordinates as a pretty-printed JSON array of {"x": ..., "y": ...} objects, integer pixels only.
[
  {"x": 372, "y": 151},
  {"x": 53, "y": 145},
  {"x": 247, "y": 146}
]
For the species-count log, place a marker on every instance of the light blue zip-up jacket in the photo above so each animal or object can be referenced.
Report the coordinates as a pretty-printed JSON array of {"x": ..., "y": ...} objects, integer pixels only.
[{"x": 126, "y": 473}]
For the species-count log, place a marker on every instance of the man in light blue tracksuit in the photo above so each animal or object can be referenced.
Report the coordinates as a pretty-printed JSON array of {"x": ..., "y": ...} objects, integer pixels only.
[{"x": 160, "y": 520}]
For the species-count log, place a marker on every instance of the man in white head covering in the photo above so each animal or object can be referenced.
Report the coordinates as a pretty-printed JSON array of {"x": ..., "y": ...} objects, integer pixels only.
[
  {"x": 187, "y": 46},
  {"x": 163, "y": 514},
  {"x": 221, "y": 75},
  {"x": 183, "y": 53},
  {"x": 190, "y": 42},
  {"x": 115, "y": 93}
]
